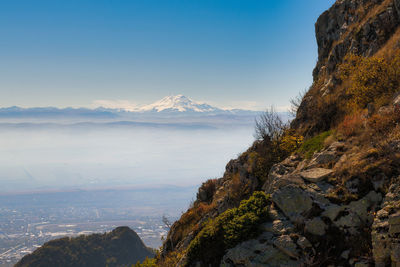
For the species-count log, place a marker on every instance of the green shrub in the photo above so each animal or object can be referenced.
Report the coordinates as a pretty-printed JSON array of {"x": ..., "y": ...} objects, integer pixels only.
[
  {"x": 229, "y": 229},
  {"x": 314, "y": 144}
]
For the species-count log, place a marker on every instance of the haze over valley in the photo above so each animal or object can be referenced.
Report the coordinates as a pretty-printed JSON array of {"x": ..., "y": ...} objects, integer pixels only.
[
  {"x": 175, "y": 142},
  {"x": 65, "y": 172}
]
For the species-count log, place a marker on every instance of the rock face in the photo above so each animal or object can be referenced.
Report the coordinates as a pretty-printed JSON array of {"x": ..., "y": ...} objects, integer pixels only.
[
  {"x": 337, "y": 36},
  {"x": 360, "y": 27},
  {"x": 305, "y": 222}
]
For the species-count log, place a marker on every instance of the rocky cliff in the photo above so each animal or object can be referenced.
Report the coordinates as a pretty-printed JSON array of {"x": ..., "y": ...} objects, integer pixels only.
[
  {"x": 361, "y": 27},
  {"x": 333, "y": 186}
]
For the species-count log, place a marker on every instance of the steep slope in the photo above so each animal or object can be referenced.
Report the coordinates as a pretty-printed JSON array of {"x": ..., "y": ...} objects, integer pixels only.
[
  {"x": 120, "y": 247},
  {"x": 331, "y": 179}
]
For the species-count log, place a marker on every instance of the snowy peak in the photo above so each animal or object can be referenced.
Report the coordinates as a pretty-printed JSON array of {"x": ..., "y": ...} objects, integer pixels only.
[{"x": 178, "y": 103}]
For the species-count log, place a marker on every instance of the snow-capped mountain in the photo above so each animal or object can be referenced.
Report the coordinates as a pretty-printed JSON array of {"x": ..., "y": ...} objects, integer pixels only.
[
  {"x": 178, "y": 106},
  {"x": 178, "y": 103}
]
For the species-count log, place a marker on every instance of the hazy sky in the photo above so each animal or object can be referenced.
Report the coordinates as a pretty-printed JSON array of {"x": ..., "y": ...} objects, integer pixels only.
[{"x": 231, "y": 53}]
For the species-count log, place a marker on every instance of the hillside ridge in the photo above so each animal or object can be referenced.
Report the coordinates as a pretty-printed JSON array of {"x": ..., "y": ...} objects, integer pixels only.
[{"x": 120, "y": 247}]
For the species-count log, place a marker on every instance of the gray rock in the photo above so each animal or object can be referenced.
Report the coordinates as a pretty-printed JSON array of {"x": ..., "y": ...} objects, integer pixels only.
[
  {"x": 315, "y": 175},
  {"x": 244, "y": 252},
  {"x": 315, "y": 226},
  {"x": 360, "y": 207},
  {"x": 332, "y": 211},
  {"x": 293, "y": 201},
  {"x": 356, "y": 213},
  {"x": 345, "y": 254},
  {"x": 281, "y": 174},
  {"x": 275, "y": 182},
  {"x": 278, "y": 227},
  {"x": 323, "y": 157},
  {"x": 303, "y": 242},
  {"x": 285, "y": 244},
  {"x": 252, "y": 253}
]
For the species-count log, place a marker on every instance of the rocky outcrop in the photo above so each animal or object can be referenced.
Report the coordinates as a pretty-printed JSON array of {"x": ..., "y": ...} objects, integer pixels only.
[
  {"x": 361, "y": 27},
  {"x": 353, "y": 26},
  {"x": 305, "y": 224}
]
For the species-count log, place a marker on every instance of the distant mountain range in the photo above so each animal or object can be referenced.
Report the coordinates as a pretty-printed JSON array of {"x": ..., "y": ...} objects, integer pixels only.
[{"x": 169, "y": 105}]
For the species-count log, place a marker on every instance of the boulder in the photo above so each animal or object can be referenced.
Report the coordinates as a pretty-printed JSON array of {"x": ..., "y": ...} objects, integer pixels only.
[
  {"x": 323, "y": 157},
  {"x": 274, "y": 182},
  {"x": 293, "y": 201},
  {"x": 252, "y": 253},
  {"x": 315, "y": 175},
  {"x": 285, "y": 244},
  {"x": 315, "y": 226},
  {"x": 332, "y": 211}
]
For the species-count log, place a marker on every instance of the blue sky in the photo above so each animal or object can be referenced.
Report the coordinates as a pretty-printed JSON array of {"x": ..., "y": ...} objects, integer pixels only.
[{"x": 231, "y": 53}]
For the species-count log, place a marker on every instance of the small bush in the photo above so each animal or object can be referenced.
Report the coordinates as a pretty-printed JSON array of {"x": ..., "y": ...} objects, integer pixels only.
[
  {"x": 229, "y": 229},
  {"x": 258, "y": 166},
  {"x": 314, "y": 144},
  {"x": 208, "y": 188},
  {"x": 290, "y": 141},
  {"x": 351, "y": 125}
]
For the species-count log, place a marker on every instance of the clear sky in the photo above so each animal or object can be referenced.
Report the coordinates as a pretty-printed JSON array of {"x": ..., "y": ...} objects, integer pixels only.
[{"x": 231, "y": 53}]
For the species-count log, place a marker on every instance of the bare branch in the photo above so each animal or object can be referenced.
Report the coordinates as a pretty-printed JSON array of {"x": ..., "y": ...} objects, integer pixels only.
[
  {"x": 166, "y": 222},
  {"x": 295, "y": 102},
  {"x": 269, "y": 126}
]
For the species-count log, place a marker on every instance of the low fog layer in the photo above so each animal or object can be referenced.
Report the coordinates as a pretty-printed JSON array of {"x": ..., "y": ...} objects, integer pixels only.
[{"x": 51, "y": 156}]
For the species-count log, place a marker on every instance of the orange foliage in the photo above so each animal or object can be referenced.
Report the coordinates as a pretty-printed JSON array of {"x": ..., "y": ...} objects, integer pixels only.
[{"x": 351, "y": 125}]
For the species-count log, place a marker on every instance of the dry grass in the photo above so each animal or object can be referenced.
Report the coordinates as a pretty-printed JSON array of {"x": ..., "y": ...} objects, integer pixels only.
[{"x": 392, "y": 45}]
